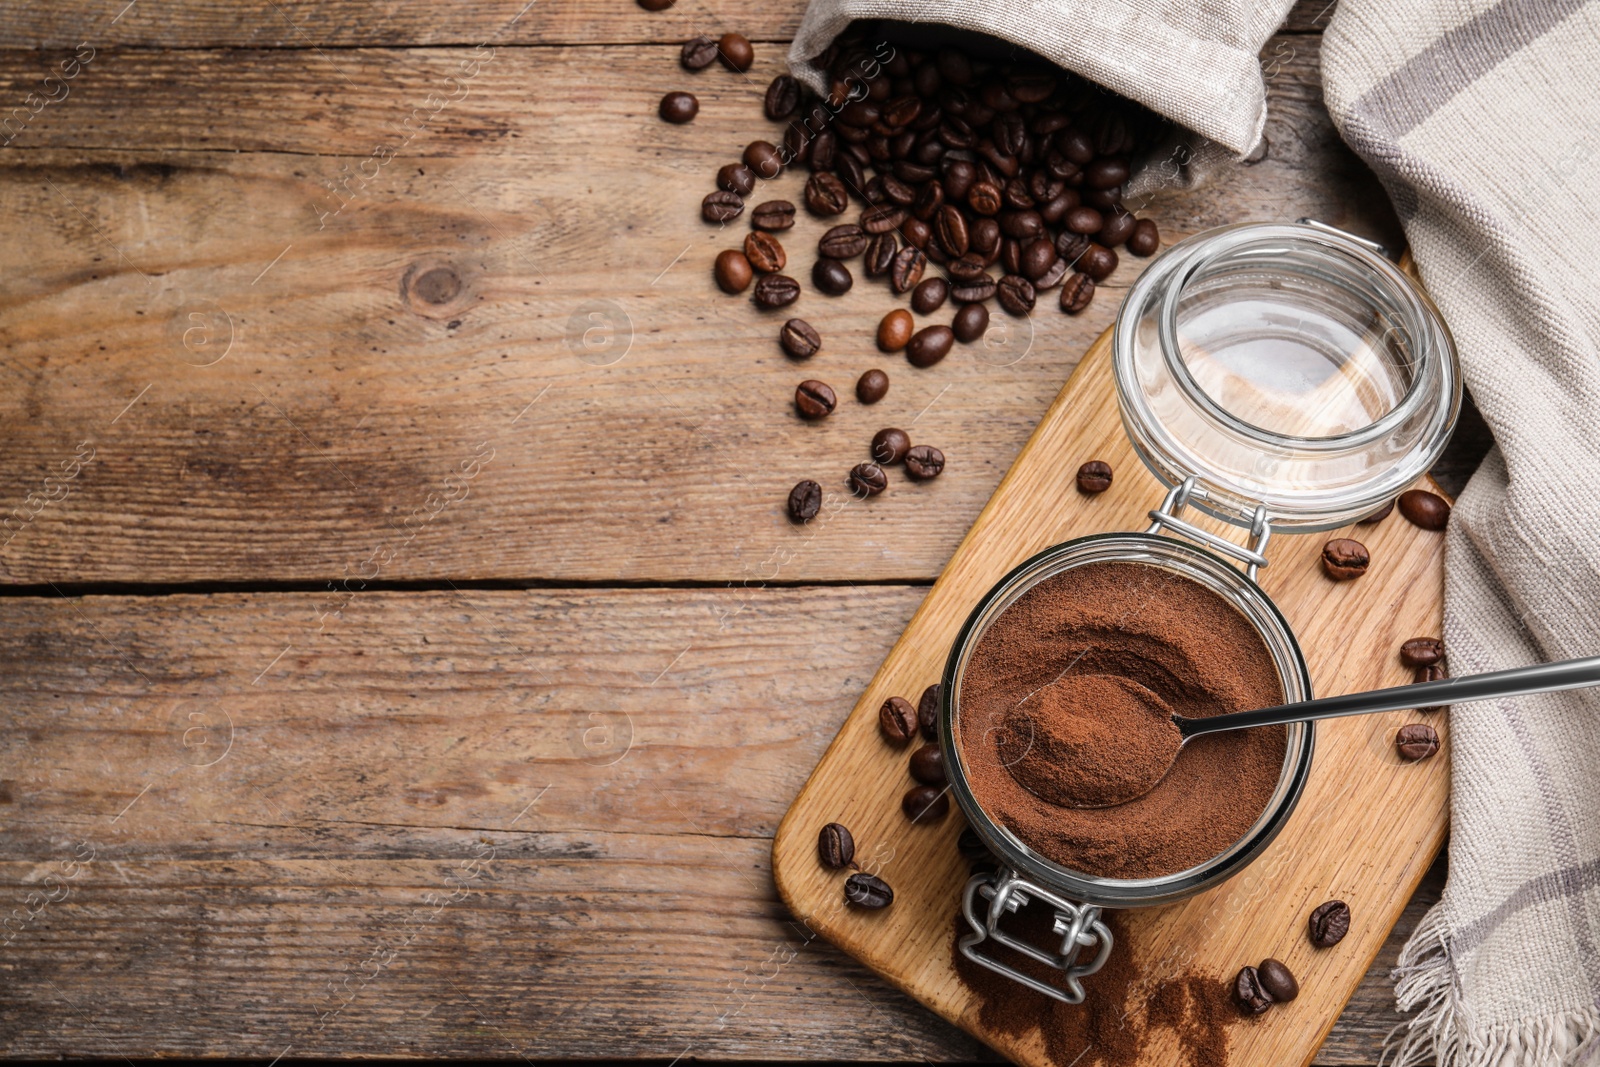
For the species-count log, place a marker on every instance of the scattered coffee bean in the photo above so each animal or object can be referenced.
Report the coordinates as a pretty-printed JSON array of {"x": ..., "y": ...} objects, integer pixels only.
[
  {"x": 1421, "y": 651},
  {"x": 974, "y": 291},
  {"x": 1248, "y": 994},
  {"x": 925, "y": 804},
  {"x": 783, "y": 98},
  {"x": 1424, "y": 509},
  {"x": 1038, "y": 257},
  {"x": 732, "y": 271},
  {"x": 831, "y": 277},
  {"x": 774, "y": 215},
  {"x": 897, "y": 720},
  {"x": 835, "y": 847},
  {"x": 814, "y": 399},
  {"x": 906, "y": 270},
  {"x": 1433, "y": 672},
  {"x": 1329, "y": 923},
  {"x": 1145, "y": 239},
  {"x": 826, "y": 195},
  {"x": 929, "y": 345},
  {"x": 735, "y": 52},
  {"x": 872, "y": 386},
  {"x": 868, "y": 891},
  {"x": 1094, "y": 476},
  {"x": 868, "y": 479},
  {"x": 1377, "y": 516},
  {"x": 656, "y": 5},
  {"x": 698, "y": 53},
  {"x": 763, "y": 158},
  {"x": 1118, "y": 228},
  {"x": 927, "y": 764},
  {"x": 928, "y": 712},
  {"x": 1015, "y": 294},
  {"x": 1084, "y": 220},
  {"x": 1416, "y": 741},
  {"x": 678, "y": 108},
  {"x": 1277, "y": 981},
  {"x": 889, "y": 446},
  {"x": 880, "y": 253},
  {"x": 895, "y": 330},
  {"x": 764, "y": 252},
  {"x": 970, "y": 323},
  {"x": 929, "y": 295},
  {"x": 721, "y": 206},
  {"x": 1076, "y": 293},
  {"x": 843, "y": 242},
  {"x": 776, "y": 291},
  {"x": 924, "y": 462},
  {"x": 805, "y": 500},
  {"x": 1097, "y": 261},
  {"x": 1344, "y": 559},
  {"x": 736, "y": 178},
  {"x": 799, "y": 338}
]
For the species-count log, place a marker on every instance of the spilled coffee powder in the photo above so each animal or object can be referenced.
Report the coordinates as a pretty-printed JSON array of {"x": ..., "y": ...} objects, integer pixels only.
[{"x": 1137, "y": 642}]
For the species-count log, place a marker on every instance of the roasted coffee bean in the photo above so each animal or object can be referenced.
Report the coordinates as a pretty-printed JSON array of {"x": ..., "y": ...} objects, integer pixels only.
[
  {"x": 1085, "y": 220},
  {"x": 967, "y": 268},
  {"x": 1021, "y": 225},
  {"x": 1071, "y": 246},
  {"x": 897, "y": 719},
  {"x": 881, "y": 218},
  {"x": 1416, "y": 741},
  {"x": 797, "y": 142},
  {"x": 867, "y": 891},
  {"x": 970, "y": 323},
  {"x": 901, "y": 111},
  {"x": 1329, "y": 923},
  {"x": 783, "y": 98},
  {"x": 1094, "y": 477},
  {"x": 1010, "y": 256},
  {"x": 929, "y": 345},
  {"x": 1104, "y": 199},
  {"x": 678, "y": 108},
  {"x": 1344, "y": 559},
  {"x": 924, "y": 463},
  {"x": 732, "y": 271},
  {"x": 776, "y": 291},
  {"x": 1038, "y": 256},
  {"x": 1055, "y": 209},
  {"x": 973, "y": 292},
  {"x": 1277, "y": 981},
  {"x": 929, "y": 202},
  {"x": 656, "y": 5},
  {"x": 1377, "y": 516},
  {"x": 764, "y": 158},
  {"x": 773, "y": 215},
  {"x": 1424, "y": 509},
  {"x": 824, "y": 151},
  {"x": 1076, "y": 145},
  {"x": 1053, "y": 276},
  {"x": 889, "y": 446},
  {"x": 925, "y": 804},
  {"x": 721, "y": 206},
  {"x": 814, "y": 399},
  {"x": 1145, "y": 239},
  {"x": 805, "y": 500},
  {"x": 906, "y": 270},
  {"x": 1421, "y": 651},
  {"x": 927, "y": 764},
  {"x": 1118, "y": 228},
  {"x": 860, "y": 114},
  {"x": 984, "y": 239},
  {"x": 1016, "y": 294},
  {"x": 929, "y": 295},
  {"x": 843, "y": 242},
  {"x": 831, "y": 277},
  {"x": 698, "y": 53},
  {"x": 895, "y": 329},
  {"x": 1106, "y": 173},
  {"x": 1097, "y": 261},
  {"x": 735, "y": 52},
  {"x": 972, "y": 848},
  {"x": 872, "y": 386},
  {"x": 880, "y": 253},
  {"x": 764, "y": 252},
  {"x": 850, "y": 171},
  {"x": 896, "y": 191},
  {"x": 825, "y": 195},
  {"x": 1248, "y": 994},
  {"x": 836, "y": 848},
  {"x": 799, "y": 338},
  {"x": 928, "y": 712},
  {"x": 1433, "y": 672},
  {"x": 868, "y": 479},
  {"x": 916, "y": 232},
  {"x": 736, "y": 178},
  {"x": 985, "y": 198},
  {"x": 959, "y": 175}
]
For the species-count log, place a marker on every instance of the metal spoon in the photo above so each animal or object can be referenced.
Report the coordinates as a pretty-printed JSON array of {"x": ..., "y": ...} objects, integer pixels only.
[{"x": 1520, "y": 681}]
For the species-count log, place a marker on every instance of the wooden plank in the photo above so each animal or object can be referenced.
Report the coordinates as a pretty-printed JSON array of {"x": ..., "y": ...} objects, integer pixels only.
[
  {"x": 1365, "y": 831},
  {"x": 319, "y": 437}
]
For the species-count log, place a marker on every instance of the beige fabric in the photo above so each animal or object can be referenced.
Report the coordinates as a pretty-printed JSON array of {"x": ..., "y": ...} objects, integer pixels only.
[
  {"x": 1483, "y": 120},
  {"x": 1193, "y": 61}
]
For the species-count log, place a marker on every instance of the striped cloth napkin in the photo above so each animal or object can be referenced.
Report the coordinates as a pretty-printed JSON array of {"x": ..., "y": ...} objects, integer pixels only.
[{"x": 1482, "y": 118}]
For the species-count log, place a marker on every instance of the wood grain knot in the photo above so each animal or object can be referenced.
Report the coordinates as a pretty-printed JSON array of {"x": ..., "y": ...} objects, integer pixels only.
[{"x": 437, "y": 286}]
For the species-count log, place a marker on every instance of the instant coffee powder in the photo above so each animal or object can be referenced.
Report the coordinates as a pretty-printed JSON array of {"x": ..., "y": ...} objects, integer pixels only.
[{"x": 1073, "y": 681}]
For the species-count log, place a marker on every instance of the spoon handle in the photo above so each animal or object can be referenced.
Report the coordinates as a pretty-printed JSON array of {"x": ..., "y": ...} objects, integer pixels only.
[{"x": 1519, "y": 681}]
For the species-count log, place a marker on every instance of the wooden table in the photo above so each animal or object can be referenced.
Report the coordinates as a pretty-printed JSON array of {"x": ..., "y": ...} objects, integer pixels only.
[{"x": 403, "y": 649}]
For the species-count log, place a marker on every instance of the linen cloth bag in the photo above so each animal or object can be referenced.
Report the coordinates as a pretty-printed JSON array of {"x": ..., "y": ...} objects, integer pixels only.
[{"x": 1482, "y": 119}]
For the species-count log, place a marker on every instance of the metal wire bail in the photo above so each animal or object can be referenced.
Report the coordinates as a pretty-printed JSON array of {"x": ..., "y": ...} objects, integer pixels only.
[
  {"x": 1178, "y": 498},
  {"x": 1078, "y": 926}
]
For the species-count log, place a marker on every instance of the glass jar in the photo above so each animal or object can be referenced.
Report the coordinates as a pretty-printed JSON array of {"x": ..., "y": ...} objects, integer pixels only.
[{"x": 1279, "y": 377}]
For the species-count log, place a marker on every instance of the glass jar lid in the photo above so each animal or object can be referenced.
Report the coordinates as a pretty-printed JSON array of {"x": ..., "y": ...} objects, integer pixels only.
[{"x": 1285, "y": 365}]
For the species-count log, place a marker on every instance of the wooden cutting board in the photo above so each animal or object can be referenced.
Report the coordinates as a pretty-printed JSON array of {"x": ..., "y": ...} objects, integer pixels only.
[{"x": 1365, "y": 831}]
